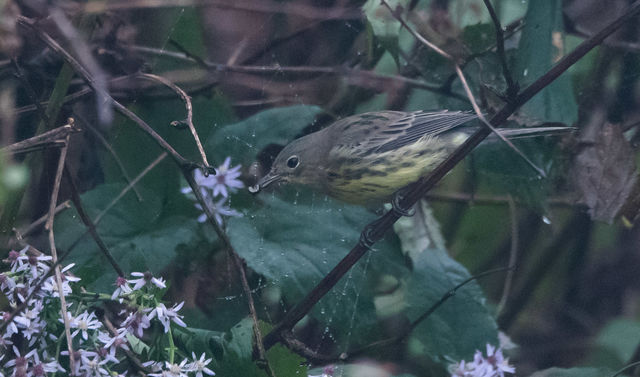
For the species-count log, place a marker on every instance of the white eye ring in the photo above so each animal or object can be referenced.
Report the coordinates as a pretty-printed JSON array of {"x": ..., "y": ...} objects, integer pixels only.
[{"x": 293, "y": 162}]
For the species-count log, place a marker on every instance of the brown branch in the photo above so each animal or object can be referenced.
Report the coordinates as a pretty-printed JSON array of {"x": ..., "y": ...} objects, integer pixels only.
[
  {"x": 91, "y": 227},
  {"x": 513, "y": 255},
  {"x": 53, "y": 138},
  {"x": 512, "y": 86},
  {"x": 376, "y": 230},
  {"x": 239, "y": 265},
  {"x": 262, "y": 6},
  {"x": 52, "y": 245},
  {"x": 122, "y": 193},
  {"x": 21, "y": 234},
  {"x": 113, "y": 153},
  {"x": 189, "y": 119}
]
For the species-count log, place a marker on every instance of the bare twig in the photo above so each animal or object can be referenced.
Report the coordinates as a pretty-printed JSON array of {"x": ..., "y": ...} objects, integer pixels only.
[
  {"x": 352, "y": 76},
  {"x": 21, "y": 234},
  {"x": 401, "y": 337},
  {"x": 187, "y": 103},
  {"x": 53, "y": 138},
  {"x": 113, "y": 153},
  {"x": 376, "y": 230},
  {"x": 512, "y": 87},
  {"x": 52, "y": 245},
  {"x": 115, "y": 200},
  {"x": 262, "y": 6},
  {"x": 239, "y": 265},
  {"x": 130, "y": 186},
  {"x": 513, "y": 255},
  {"x": 91, "y": 227}
]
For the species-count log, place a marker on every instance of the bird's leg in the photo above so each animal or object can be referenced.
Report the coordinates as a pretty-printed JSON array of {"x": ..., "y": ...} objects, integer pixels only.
[{"x": 397, "y": 207}]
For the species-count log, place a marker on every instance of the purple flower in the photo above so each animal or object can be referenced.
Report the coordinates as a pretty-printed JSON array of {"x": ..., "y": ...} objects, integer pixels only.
[{"x": 494, "y": 365}]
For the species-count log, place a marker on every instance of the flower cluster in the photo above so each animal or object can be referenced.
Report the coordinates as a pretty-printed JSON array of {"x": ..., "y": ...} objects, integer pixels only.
[
  {"x": 494, "y": 365},
  {"x": 32, "y": 333},
  {"x": 224, "y": 182}
]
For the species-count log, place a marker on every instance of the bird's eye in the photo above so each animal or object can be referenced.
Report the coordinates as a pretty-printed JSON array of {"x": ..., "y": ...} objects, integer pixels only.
[{"x": 293, "y": 162}]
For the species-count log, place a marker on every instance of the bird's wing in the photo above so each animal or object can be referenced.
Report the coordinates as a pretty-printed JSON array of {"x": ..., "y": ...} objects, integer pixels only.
[{"x": 388, "y": 130}]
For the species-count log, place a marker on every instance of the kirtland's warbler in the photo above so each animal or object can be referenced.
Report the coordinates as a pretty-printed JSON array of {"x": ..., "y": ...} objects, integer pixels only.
[{"x": 364, "y": 159}]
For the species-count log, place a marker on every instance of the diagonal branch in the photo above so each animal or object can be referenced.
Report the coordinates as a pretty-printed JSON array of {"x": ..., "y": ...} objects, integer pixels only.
[{"x": 376, "y": 230}]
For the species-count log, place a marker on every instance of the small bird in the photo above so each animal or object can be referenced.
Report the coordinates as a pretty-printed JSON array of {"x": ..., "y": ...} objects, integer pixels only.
[{"x": 364, "y": 159}]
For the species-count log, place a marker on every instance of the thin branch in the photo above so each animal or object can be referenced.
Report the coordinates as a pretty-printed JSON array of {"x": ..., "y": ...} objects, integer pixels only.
[
  {"x": 513, "y": 255},
  {"x": 21, "y": 234},
  {"x": 113, "y": 153},
  {"x": 401, "y": 337},
  {"x": 54, "y": 254},
  {"x": 239, "y": 265},
  {"x": 494, "y": 200},
  {"x": 53, "y": 138},
  {"x": 77, "y": 202},
  {"x": 376, "y": 230},
  {"x": 512, "y": 86},
  {"x": 187, "y": 103},
  {"x": 262, "y": 6},
  {"x": 122, "y": 193},
  {"x": 353, "y": 76}
]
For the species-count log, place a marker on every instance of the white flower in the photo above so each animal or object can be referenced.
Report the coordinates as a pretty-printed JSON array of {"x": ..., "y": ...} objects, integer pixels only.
[
  {"x": 93, "y": 367},
  {"x": 143, "y": 278},
  {"x": 83, "y": 323},
  {"x": 224, "y": 181},
  {"x": 173, "y": 370},
  {"x": 200, "y": 365},
  {"x": 165, "y": 316}
]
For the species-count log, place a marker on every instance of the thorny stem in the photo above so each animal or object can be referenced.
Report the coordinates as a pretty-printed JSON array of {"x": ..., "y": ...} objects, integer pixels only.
[{"x": 420, "y": 188}]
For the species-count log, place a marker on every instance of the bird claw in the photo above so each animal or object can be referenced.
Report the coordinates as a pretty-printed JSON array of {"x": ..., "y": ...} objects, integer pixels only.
[
  {"x": 365, "y": 237},
  {"x": 398, "y": 208}
]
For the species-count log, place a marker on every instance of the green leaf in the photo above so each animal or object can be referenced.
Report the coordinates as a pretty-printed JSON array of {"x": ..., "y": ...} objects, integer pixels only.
[
  {"x": 540, "y": 47},
  {"x": 462, "y": 324},
  {"x": 572, "y": 372},
  {"x": 616, "y": 343},
  {"x": 138, "y": 234},
  {"x": 137, "y": 345},
  {"x": 274, "y": 126},
  {"x": 295, "y": 244}
]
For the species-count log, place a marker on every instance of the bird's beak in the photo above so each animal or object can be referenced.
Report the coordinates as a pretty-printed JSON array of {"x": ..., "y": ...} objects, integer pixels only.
[{"x": 264, "y": 182}]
